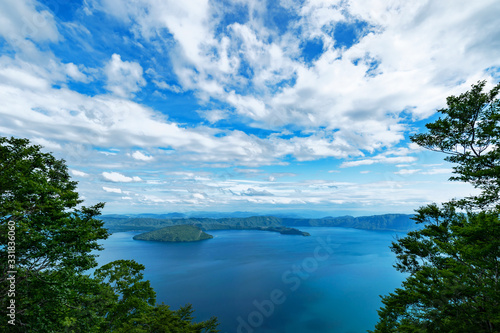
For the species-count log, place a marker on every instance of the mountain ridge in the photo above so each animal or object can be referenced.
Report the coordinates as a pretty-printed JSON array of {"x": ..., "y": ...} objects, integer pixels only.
[{"x": 384, "y": 222}]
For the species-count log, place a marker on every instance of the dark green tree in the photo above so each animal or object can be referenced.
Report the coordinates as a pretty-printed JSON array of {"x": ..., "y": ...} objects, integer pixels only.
[
  {"x": 453, "y": 262},
  {"x": 49, "y": 240},
  {"x": 54, "y": 239},
  {"x": 132, "y": 304},
  {"x": 469, "y": 133}
]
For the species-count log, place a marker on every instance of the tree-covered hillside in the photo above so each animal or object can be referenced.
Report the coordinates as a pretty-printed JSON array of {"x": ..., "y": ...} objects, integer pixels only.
[
  {"x": 115, "y": 224},
  {"x": 388, "y": 222}
]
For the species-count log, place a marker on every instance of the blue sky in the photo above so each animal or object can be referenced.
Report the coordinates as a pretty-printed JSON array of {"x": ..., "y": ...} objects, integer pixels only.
[{"x": 262, "y": 106}]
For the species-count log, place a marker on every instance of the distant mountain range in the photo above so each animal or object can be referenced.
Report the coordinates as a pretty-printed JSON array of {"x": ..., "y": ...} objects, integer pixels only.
[
  {"x": 296, "y": 213},
  {"x": 147, "y": 222},
  {"x": 389, "y": 222}
]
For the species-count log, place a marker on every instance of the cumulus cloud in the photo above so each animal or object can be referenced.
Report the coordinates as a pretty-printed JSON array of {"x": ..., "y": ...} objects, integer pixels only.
[
  {"x": 400, "y": 61},
  {"x": 141, "y": 156},
  {"x": 265, "y": 100},
  {"x": 270, "y": 84},
  {"x": 124, "y": 78},
  {"x": 117, "y": 177},
  {"x": 74, "y": 73},
  {"x": 67, "y": 116}
]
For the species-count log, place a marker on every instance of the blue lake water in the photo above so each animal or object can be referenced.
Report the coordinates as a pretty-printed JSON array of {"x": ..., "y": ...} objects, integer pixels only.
[{"x": 265, "y": 282}]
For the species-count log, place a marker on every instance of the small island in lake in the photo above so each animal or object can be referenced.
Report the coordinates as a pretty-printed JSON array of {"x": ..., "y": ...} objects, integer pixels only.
[
  {"x": 175, "y": 233},
  {"x": 194, "y": 233}
]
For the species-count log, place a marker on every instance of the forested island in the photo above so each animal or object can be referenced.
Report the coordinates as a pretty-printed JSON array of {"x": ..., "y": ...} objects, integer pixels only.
[{"x": 176, "y": 233}]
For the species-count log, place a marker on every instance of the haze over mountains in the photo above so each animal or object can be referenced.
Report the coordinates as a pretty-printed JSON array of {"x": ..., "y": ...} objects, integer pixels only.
[
  {"x": 147, "y": 222},
  {"x": 299, "y": 213}
]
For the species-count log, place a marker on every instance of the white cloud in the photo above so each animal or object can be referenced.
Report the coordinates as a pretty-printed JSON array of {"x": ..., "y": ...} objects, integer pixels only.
[
  {"x": 62, "y": 115},
  {"x": 417, "y": 64},
  {"x": 78, "y": 173},
  {"x": 47, "y": 144},
  {"x": 407, "y": 171},
  {"x": 124, "y": 78},
  {"x": 213, "y": 116},
  {"x": 166, "y": 86},
  {"x": 20, "y": 77},
  {"x": 432, "y": 171},
  {"x": 119, "y": 178},
  {"x": 200, "y": 196},
  {"x": 181, "y": 190},
  {"x": 112, "y": 189},
  {"x": 34, "y": 70},
  {"x": 19, "y": 19},
  {"x": 337, "y": 106},
  {"x": 253, "y": 192},
  {"x": 74, "y": 72},
  {"x": 438, "y": 171},
  {"x": 141, "y": 156},
  {"x": 379, "y": 159}
]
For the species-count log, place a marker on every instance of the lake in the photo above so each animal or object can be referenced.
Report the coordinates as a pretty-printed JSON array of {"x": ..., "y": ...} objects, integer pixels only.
[{"x": 265, "y": 282}]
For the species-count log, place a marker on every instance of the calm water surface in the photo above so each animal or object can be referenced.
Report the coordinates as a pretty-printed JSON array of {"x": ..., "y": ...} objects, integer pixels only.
[{"x": 264, "y": 282}]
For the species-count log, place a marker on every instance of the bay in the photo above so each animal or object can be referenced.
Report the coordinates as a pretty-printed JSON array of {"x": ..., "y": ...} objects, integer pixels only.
[{"x": 265, "y": 282}]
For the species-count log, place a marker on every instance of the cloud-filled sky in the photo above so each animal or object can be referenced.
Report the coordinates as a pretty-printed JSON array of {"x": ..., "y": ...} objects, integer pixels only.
[{"x": 175, "y": 106}]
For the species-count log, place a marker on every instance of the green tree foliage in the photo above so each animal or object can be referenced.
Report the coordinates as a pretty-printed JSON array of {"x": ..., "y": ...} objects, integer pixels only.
[
  {"x": 131, "y": 305},
  {"x": 453, "y": 262},
  {"x": 469, "y": 133},
  {"x": 53, "y": 239}
]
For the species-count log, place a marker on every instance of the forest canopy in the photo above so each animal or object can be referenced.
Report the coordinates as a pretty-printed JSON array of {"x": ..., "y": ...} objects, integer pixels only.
[
  {"x": 48, "y": 246},
  {"x": 453, "y": 261}
]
